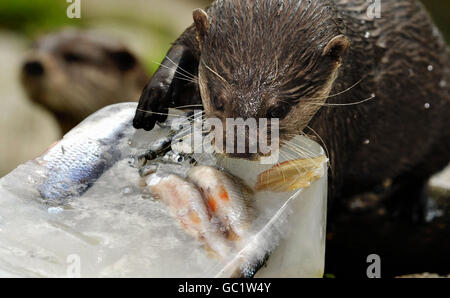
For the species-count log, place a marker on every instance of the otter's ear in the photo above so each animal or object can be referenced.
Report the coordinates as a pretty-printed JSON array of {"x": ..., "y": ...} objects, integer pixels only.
[
  {"x": 201, "y": 22},
  {"x": 336, "y": 48}
]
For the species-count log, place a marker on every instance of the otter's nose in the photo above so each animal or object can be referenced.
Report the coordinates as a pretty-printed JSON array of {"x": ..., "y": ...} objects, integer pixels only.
[{"x": 33, "y": 68}]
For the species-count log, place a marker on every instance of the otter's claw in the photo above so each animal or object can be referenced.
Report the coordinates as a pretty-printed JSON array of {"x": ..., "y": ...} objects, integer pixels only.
[{"x": 151, "y": 107}]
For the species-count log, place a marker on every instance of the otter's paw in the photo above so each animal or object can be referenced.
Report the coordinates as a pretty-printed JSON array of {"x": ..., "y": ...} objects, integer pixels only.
[{"x": 153, "y": 106}]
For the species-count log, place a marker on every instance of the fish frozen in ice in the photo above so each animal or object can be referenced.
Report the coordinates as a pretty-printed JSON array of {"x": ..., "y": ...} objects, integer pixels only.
[
  {"x": 84, "y": 154},
  {"x": 291, "y": 175},
  {"x": 227, "y": 198},
  {"x": 185, "y": 203}
]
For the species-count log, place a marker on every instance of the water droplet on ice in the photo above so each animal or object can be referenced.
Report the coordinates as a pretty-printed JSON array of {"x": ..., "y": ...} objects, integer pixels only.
[
  {"x": 127, "y": 191},
  {"x": 55, "y": 210}
]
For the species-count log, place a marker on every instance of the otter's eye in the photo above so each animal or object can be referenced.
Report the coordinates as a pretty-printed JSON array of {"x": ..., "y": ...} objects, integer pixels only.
[
  {"x": 124, "y": 60},
  {"x": 278, "y": 112},
  {"x": 217, "y": 103},
  {"x": 72, "y": 58}
]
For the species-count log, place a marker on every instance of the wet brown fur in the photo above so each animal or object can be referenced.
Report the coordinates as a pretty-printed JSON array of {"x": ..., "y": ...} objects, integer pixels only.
[{"x": 254, "y": 55}]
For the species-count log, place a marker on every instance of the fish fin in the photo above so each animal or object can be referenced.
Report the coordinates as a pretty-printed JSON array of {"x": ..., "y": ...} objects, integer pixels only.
[{"x": 298, "y": 174}]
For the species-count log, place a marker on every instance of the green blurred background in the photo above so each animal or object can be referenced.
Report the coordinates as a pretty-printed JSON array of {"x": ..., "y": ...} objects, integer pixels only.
[
  {"x": 162, "y": 19},
  {"x": 146, "y": 26}
]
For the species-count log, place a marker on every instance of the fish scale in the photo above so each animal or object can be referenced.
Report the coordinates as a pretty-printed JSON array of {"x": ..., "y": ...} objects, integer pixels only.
[
  {"x": 228, "y": 199},
  {"x": 75, "y": 163}
]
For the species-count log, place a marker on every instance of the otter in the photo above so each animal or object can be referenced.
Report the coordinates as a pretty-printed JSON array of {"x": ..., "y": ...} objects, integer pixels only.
[
  {"x": 376, "y": 90},
  {"x": 74, "y": 73}
]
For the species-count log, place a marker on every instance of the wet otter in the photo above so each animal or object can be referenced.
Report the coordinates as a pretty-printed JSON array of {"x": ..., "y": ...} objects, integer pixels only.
[
  {"x": 309, "y": 63},
  {"x": 75, "y": 73}
]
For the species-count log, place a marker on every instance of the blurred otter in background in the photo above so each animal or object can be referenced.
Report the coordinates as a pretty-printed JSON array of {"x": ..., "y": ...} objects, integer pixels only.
[{"x": 75, "y": 73}]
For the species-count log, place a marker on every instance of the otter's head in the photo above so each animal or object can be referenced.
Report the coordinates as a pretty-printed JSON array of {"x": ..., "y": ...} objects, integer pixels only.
[
  {"x": 75, "y": 73},
  {"x": 268, "y": 59}
]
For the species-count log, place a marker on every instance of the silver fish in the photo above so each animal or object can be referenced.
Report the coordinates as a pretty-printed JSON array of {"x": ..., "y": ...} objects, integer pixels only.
[{"x": 86, "y": 152}]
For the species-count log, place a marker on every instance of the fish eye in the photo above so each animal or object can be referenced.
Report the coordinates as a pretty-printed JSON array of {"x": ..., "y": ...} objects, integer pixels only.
[
  {"x": 278, "y": 112},
  {"x": 217, "y": 103}
]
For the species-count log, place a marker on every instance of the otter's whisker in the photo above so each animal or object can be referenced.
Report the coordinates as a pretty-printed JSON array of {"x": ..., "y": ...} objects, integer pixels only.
[
  {"x": 323, "y": 143},
  {"x": 157, "y": 113},
  {"x": 175, "y": 70},
  {"x": 343, "y": 104},
  {"x": 296, "y": 96},
  {"x": 184, "y": 133},
  {"x": 196, "y": 116},
  {"x": 191, "y": 119},
  {"x": 214, "y": 72},
  {"x": 178, "y": 66},
  {"x": 194, "y": 81},
  {"x": 344, "y": 91},
  {"x": 189, "y": 106}
]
